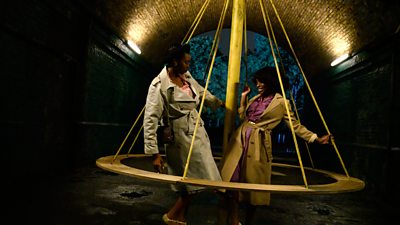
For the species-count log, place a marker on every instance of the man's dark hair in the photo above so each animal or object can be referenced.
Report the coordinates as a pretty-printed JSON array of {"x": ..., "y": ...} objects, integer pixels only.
[
  {"x": 269, "y": 77},
  {"x": 176, "y": 52}
]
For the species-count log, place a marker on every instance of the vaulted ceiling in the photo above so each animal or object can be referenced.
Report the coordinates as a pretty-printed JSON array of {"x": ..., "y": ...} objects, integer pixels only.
[{"x": 319, "y": 30}]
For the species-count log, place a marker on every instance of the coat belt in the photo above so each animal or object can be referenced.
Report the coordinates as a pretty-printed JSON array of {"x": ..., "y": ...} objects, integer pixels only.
[{"x": 257, "y": 131}]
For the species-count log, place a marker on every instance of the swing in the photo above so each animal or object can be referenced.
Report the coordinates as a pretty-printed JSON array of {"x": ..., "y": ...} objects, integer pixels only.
[{"x": 341, "y": 182}]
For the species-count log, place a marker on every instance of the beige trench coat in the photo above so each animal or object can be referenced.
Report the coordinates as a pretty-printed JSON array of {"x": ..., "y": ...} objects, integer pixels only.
[
  {"x": 183, "y": 115},
  {"x": 258, "y": 161}
]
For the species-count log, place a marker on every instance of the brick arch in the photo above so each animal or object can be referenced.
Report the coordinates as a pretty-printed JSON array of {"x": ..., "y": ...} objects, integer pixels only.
[{"x": 319, "y": 30}]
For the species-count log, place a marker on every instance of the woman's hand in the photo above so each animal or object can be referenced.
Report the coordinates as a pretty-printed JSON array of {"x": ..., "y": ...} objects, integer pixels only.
[
  {"x": 246, "y": 91},
  {"x": 324, "y": 139},
  {"x": 158, "y": 163}
]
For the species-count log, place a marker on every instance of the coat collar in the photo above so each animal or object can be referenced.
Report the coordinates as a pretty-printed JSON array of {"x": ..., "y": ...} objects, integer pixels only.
[
  {"x": 164, "y": 78},
  {"x": 271, "y": 105}
]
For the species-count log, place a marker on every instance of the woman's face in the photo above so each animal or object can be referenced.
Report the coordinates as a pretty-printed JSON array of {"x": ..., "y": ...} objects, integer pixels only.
[
  {"x": 183, "y": 64},
  {"x": 260, "y": 87}
]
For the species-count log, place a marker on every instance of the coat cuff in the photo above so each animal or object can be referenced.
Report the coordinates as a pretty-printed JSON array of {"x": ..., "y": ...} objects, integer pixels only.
[
  {"x": 215, "y": 103},
  {"x": 312, "y": 138}
]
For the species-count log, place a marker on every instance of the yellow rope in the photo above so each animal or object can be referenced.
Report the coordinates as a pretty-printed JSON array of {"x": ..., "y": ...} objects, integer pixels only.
[
  {"x": 308, "y": 86},
  {"x": 213, "y": 46},
  {"x": 195, "y": 23},
  {"x": 298, "y": 118},
  {"x": 267, "y": 25},
  {"x": 126, "y": 137},
  {"x": 216, "y": 39},
  {"x": 284, "y": 73},
  {"x": 245, "y": 46},
  {"x": 134, "y": 141}
]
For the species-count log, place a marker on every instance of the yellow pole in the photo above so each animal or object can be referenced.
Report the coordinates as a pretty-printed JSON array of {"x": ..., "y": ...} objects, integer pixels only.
[{"x": 235, "y": 53}]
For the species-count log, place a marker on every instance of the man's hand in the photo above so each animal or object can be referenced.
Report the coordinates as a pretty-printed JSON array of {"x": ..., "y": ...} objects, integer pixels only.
[
  {"x": 158, "y": 163},
  {"x": 326, "y": 139},
  {"x": 246, "y": 91}
]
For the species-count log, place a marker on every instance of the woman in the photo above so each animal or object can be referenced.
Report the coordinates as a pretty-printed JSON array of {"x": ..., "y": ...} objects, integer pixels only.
[
  {"x": 175, "y": 91},
  {"x": 248, "y": 157}
]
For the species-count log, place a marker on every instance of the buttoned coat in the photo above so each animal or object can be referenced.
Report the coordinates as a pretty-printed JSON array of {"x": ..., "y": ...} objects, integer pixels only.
[
  {"x": 182, "y": 111},
  {"x": 258, "y": 161}
]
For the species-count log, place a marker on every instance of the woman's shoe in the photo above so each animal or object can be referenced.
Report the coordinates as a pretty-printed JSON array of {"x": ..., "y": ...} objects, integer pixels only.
[{"x": 171, "y": 221}]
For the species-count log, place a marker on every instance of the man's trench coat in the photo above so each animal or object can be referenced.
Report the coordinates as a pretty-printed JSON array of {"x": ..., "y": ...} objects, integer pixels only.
[{"x": 165, "y": 95}]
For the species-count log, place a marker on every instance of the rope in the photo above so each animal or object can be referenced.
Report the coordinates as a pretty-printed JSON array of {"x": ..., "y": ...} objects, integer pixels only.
[
  {"x": 134, "y": 141},
  {"x": 195, "y": 23},
  {"x": 220, "y": 24},
  {"x": 245, "y": 46},
  {"x": 284, "y": 74},
  {"x": 309, "y": 88},
  {"x": 269, "y": 30},
  {"x": 216, "y": 39},
  {"x": 126, "y": 137},
  {"x": 298, "y": 118}
]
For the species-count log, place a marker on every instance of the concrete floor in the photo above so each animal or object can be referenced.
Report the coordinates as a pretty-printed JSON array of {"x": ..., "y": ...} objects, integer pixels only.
[{"x": 92, "y": 196}]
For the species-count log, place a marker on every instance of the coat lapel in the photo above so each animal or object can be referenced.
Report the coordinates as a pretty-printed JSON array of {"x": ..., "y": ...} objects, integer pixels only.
[
  {"x": 274, "y": 103},
  {"x": 189, "y": 78},
  {"x": 181, "y": 96},
  {"x": 271, "y": 105},
  {"x": 178, "y": 95}
]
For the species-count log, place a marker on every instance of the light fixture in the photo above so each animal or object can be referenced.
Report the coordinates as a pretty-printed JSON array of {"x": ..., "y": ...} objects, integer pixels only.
[
  {"x": 134, "y": 47},
  {"x": 340, "y": 59}
]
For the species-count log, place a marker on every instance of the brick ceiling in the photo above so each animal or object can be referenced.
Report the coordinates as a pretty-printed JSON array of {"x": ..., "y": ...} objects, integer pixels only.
[{"x": 319, "y": 30}]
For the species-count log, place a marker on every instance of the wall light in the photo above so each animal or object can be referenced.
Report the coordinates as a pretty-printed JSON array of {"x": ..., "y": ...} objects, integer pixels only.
[
  {"x": 134, "y": 47},
  {"x": 340, "y": 59}
]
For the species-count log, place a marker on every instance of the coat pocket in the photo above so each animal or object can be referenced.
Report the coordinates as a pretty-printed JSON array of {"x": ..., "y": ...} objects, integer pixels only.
[{"x": 267, "y": 146}]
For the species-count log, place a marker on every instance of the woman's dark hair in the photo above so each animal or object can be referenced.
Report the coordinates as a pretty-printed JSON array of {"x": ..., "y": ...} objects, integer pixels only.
[
  {"x": 269, "y": 77},
  {"x": 176, "y": 52}
]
